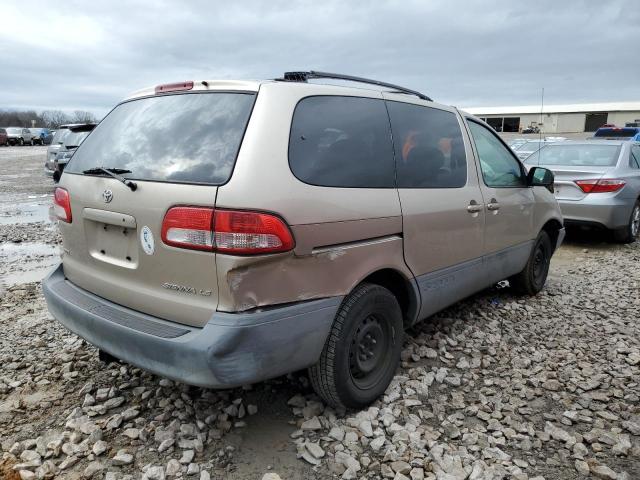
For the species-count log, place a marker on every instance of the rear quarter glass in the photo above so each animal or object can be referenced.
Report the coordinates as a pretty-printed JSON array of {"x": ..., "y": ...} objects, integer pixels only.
[{"x": 178, "y": 138}]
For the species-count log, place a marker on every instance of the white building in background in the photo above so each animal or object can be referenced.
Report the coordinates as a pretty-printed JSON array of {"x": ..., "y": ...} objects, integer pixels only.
[{"x": 585, "y": 117}]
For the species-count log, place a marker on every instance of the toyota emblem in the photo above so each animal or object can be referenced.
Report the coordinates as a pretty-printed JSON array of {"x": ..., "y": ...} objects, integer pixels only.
[{"x": 107, "y": 196}]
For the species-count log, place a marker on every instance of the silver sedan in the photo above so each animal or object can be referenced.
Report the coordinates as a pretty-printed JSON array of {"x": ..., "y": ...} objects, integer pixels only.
[{"x": 596, "y": 183}]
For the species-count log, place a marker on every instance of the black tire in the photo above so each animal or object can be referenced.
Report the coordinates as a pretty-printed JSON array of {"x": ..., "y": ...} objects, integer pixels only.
[
  {"x": 534, "y": 275},
  {"x": 21, "y": 142},
  {"x": 368, "y": 322},
  {"x": 629, "y": 234}
]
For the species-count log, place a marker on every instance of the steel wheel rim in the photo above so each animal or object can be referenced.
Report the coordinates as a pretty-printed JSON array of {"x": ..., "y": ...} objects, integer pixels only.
[{"x": 369, "y": 351}]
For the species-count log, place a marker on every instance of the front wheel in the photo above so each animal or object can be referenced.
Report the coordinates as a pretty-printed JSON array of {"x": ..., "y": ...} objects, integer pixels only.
[
  {"x": 21, "y": 142},
  {"x": 362, "y": 352},
  {"x": 629, "y": 233},
  {"x": 534, "y": 275}
]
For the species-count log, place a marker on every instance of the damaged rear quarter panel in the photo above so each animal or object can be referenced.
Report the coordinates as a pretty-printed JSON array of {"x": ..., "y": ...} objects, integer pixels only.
[{"x": 322, "y": 265}]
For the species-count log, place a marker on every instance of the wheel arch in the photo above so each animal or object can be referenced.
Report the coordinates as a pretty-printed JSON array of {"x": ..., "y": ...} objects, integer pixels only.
[
  {"x": 404, "y": 289},
  {"x": 553, "y": 227}
]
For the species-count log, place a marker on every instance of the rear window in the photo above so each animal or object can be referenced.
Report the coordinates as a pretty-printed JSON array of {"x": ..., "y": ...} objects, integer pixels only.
[
  {"x": 429, "y": 149},
  {"x": 14, "y": 131},
  {"x": 59, "y": 135},
  {"x": 576, "y": 155},
  {"x": 183, "y": 138},
  {"x": 73, "y": 139},
  {"x": 342, "y": 142},
  {"x": 616, "y": 132}
]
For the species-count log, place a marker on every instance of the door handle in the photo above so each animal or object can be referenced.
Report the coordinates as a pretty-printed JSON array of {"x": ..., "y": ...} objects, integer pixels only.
[
  {"x": 474, "y": 207},
  {"x": 493, "y": 205}
]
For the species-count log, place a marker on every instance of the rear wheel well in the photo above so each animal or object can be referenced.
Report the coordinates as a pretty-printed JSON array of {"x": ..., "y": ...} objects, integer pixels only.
[
  {"x": 552, "y": 227},
  {"x": 401, "y": 288}
]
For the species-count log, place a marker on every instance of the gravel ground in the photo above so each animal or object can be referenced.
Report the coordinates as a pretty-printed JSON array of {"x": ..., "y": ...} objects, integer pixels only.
[{"x": 496, "y": 387}]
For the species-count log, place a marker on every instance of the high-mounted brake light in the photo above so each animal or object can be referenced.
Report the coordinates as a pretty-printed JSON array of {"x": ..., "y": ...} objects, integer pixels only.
[
  {"x": 62, "y": 205},
  {"x": 604, "y": 185},
  {"x": 174, "y": 87},
  {"x": 226, "y": 231}
]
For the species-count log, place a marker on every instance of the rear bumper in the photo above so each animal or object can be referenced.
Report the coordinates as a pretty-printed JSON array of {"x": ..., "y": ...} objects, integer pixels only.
[
  {"x": 609, "y": 212},
  {"x": 231, "y": 350}
]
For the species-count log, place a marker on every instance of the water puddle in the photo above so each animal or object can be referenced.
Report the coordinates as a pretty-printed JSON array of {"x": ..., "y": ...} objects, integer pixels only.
[
  {"x": 27, "y": 262},
  {"x": 25, "y": 213}
]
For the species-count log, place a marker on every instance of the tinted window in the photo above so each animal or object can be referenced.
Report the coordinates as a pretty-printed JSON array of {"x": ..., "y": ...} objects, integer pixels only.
[
  {"x": 428, "y": 145},
  {"x": 498, "y": 165},
  {"x": 568, "y": 154},
  {"x": 191, "y": 138},
  {"x": 342, "y": 142}
]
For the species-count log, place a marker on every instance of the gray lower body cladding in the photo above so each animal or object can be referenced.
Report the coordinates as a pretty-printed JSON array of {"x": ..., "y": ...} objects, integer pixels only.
[{"x": 232, "y": 349}]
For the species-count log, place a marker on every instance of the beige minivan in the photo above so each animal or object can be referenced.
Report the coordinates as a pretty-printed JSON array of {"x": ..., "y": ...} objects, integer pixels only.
[{"x": 220, "y": 233}]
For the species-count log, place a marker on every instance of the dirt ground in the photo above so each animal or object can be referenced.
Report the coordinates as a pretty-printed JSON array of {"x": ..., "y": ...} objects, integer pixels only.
[{"x": 494, "y": 387}]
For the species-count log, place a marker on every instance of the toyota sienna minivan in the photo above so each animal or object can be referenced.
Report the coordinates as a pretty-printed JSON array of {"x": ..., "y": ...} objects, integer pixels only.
[{"x": 221, "y": 233}]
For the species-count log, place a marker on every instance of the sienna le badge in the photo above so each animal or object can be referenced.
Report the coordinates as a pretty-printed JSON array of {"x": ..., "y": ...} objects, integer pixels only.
[{"x": 146, "y": 239}]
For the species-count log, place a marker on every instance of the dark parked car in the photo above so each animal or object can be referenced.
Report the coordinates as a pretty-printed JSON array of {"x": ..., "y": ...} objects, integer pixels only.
[
  {"x": 4, "y": 140},
  {"x": 618, "y": 133},
  {"x": 72, "y": 140}
]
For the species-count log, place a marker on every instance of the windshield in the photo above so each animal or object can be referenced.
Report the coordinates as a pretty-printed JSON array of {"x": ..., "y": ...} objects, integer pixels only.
[
  {"x": 528, "y": 146},
  {"x": 616, "y": 132},
  {"x": 14, "y": 131},
  {"x": 592, "y": 155},
  {"x": 190, "y": 138}
]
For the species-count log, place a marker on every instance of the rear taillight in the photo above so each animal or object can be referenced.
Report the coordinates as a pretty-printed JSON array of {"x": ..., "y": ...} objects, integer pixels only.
[
  {"x": 62, "y": 205},
  {"x": 174, "y": 87},
  {"x": 603, "y": 185},
  {"x": 226, "y": 231},
  {"x": 188, "y": 227},
  {"x": 249, "y": 233}
]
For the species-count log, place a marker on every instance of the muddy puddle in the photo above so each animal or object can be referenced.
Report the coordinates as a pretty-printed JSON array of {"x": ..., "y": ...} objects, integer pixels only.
[{"x": 26, "y": 262}]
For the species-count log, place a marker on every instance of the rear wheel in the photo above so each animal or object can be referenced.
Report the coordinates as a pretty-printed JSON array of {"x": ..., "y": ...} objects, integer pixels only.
[
  {"x": 21, "y": 142},
  {"x": 362, "y": 352},
  {"x": 534, "y": 275},
  {"x": 629, "y": 233}
]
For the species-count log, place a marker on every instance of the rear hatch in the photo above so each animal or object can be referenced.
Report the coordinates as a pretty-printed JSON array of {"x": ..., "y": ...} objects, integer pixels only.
[
  {"x": 571, "y": 162},
  {"x": 176, "y": 148}
]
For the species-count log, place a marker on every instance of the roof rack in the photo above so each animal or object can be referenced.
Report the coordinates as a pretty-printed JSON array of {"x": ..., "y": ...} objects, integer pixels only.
[{"x": 304, "y": 76}]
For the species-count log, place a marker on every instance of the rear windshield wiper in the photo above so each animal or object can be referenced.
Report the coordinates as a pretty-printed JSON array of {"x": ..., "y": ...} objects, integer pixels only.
[{"x": 113, "y": 172}]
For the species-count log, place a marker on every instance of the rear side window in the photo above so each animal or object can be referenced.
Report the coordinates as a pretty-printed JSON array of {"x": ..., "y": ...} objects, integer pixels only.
[
  {"x": 429, "y": 149},
  {"x": 342, "y": 142},
  {"x": 183, "y": 138}
]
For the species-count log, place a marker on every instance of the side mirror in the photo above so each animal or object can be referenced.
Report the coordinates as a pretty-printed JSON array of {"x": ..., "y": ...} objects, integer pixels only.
[{"x": 540, "y": 177}]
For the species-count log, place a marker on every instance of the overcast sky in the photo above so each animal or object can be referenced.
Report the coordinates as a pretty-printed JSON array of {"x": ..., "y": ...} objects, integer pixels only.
[{"x": 88, "y": 55}]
